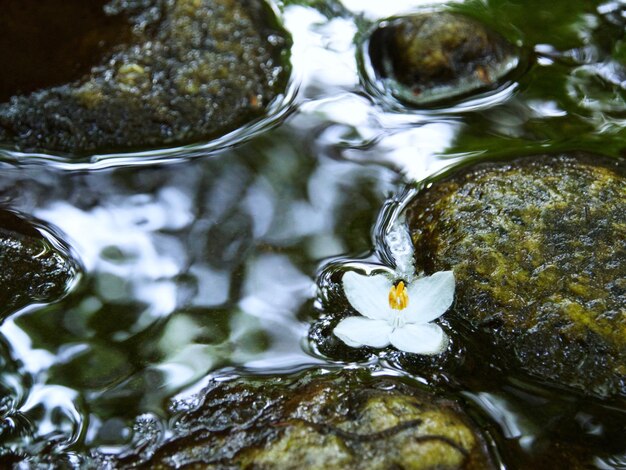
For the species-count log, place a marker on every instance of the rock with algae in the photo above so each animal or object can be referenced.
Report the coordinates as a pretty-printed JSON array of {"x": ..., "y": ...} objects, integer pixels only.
[
  {"x": 538, "y": 247},
  {"x": 183, "y": 71},
  {"x": 335, "y": 420},
  {"x": 32, "y": 268},
  {"x": 426, "y": 58}
]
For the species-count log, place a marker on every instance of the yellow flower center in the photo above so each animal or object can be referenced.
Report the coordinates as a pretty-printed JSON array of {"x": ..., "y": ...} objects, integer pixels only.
[{"x": 398, "y": 296}]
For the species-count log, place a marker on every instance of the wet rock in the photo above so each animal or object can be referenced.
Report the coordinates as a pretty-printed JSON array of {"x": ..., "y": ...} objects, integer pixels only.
[
  {"x": 133, "y": 74},
  {"x": 335, "y": 420},
  {"x": 538, "y": 247},
  {"x": 77, "y": 35},
  {"x": 427, "y": 58},
  {"x": 33, "y": 268}
]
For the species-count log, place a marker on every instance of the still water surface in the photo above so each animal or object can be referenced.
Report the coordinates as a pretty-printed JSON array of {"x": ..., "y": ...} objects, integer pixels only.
[{"x": 206, "y": 267}]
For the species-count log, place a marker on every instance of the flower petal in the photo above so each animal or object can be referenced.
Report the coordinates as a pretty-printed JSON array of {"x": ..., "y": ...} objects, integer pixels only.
[
  {"x": 430, "y": 297},
  {"x": 359, "y": 331},
  {"x": 420, "y": 339},
  {"x": 369, "y": 295}
]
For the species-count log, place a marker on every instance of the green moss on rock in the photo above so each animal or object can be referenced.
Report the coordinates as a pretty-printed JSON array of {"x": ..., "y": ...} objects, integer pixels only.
[
  {"x": 190, "y": 70},
  {"x": 32, "y": 269},
  {"x": 337, "y": 420},
  {"x": 538, "y": 247},
  {"x": 425, "y": 58}
]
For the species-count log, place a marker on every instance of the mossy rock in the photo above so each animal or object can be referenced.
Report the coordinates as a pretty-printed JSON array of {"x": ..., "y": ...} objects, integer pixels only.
[
  {"x": 428, "y": 58},
  {"x": 538, "y": 248},
  {"x": 141, "y": 74},
  {"x": 34, "y": 268},
  {"x": 343, "y": 419}
]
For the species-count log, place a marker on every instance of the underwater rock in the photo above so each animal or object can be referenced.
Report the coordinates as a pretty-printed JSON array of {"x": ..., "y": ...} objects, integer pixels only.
[
  {"x": 32, "y": 268},
  {"x": 538, "y": 248},
  {"x": 135, "y": 74},
  {"x": 426, "y": 58},
  {"x": 343, "y": 419}
]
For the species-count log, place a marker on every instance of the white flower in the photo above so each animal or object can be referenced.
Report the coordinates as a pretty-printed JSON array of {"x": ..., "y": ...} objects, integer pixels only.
[
  {"x": 397, "y": 306},
  {"x": 395, "y": 313}
]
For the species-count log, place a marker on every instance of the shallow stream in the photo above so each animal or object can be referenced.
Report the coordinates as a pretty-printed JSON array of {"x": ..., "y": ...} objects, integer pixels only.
[{"x": 203, "y": 262}]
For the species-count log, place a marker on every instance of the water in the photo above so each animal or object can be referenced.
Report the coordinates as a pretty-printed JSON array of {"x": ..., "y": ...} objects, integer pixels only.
[{"x": 205, "y": 267}]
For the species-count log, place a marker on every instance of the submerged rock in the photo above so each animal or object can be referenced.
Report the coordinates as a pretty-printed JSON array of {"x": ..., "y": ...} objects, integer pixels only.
[
  {"x": 336, "y": 420},
  {"x": 135, "y": 74},
  {"x": 538, "y": 248},
  {"x": 32, "y": 268},
  {"x": 426, "y": 58}
]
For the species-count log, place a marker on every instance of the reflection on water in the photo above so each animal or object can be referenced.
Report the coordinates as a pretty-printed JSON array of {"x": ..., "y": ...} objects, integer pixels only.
[
  {"x": 188, "y": 268},
  {"x": 207, "y": 267}
]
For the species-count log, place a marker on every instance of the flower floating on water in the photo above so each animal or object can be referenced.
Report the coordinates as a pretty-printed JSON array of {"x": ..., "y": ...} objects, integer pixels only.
[
  {"x": 397, "y": 308},
  {"x": 397, "y": 313}
]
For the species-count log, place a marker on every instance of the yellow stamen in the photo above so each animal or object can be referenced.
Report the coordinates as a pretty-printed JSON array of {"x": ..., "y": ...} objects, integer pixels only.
[{"x": 398, "y": 296}]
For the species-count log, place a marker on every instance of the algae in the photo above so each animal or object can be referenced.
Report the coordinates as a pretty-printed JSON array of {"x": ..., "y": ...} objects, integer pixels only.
[
  {"x": 340, "y": 419},
  {"x": 426, "y": 58},
  {"x": 538, "y": 248},
  {"x": 189, "y": 70}
]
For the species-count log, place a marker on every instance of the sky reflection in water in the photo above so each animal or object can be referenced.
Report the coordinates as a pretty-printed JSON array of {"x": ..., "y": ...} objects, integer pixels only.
[{"x": 189, "y": 268}]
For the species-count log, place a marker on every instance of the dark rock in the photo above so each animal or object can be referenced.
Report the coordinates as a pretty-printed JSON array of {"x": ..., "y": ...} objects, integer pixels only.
[
  {"x": 77, "y": 35},
  {"x": 427, "y": 58},
  {"x": 538, "y": 248},
  {"x": 33, "y": 267},
  {"x": 335, "y": 420},
  {"x": 140, "y": 73}
]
